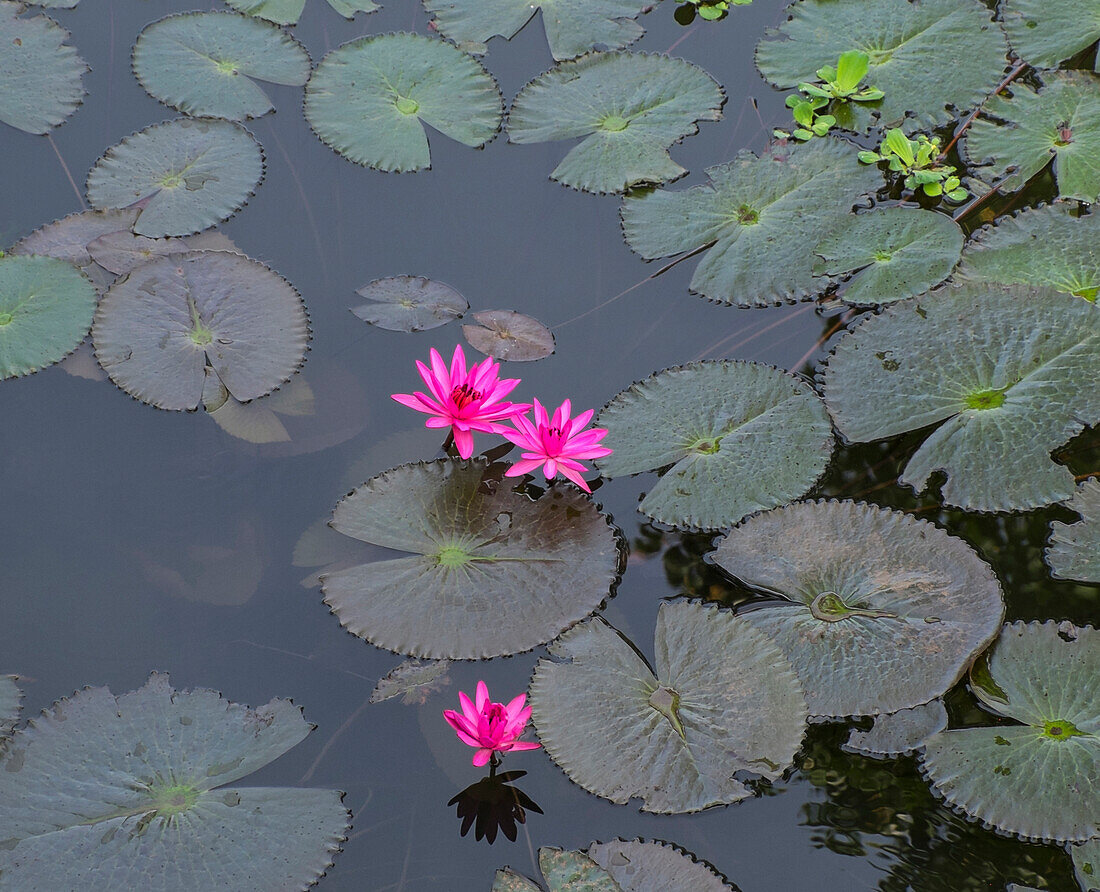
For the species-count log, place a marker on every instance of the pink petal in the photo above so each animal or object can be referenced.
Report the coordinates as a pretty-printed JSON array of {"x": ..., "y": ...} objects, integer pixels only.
[
  {"x": 467, "y": 739},
  {"x": 515, "y": 707},
  {"x": 550, "y": 469},
  {"x": 525, "y": 466},
  {"x": 464, "y": 442},
  {"x": 481, "y": 757},
  {"x": 579, "y": 423},
  {"x": 468, "y": 710},
  {"x": 575, "y": 477},
  {"x": 562, "y": 415},
  {"x": 438, "y": 388},
  {"x": 541, "y": 419},
  {"x": 437, "y": 421},
  {"x": 481, "y": 697},
  {"x": 525, "y": 745}
]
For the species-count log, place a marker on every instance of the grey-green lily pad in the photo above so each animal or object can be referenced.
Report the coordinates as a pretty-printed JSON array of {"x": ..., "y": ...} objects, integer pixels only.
[
  {"x": 1016, "y": 138},
  {"x": 413, "y": 681},
  {"x": 40, "y": 74},
  {"x": 508, "y": 335},
  {"x": 183, "y": 175},
  {"x": 119, "y": 252},
  {"x": 1086, "y": 864},
  {"x": 46, "y": 308},
  {"x": 740, "y": 437},
  {"x": 157, "y": 330},
  {"x": 257, "y": 421},
  {"x": 572, "y": 26},
  {"x": 877, "y": 611},
  {"x": 640, "y": 866},
  {"x": 775, "y": 206},
  {"x": 1039, "y": 779},
  {"x": 68, "y": 239},
  {"x": 934, "y": 59},
  {"x": 207, "y": 63},
  {"x": 1045, "y": 34},
  {"x": 630, "y": 107},
  {"x": 287, "y": 12},
  {"x": 898, "y": 733},
  {"x": 370, "y": 99},
  {"x": 490, "y": 572},
  {"x": 409, "y": 303},
  {"x": 55, "y": 4},
  {"x": 563, "y": 871},
  {"x": 1074, "y": 550},
  {"x": 10, "y": 698},
  {"x": 997, "y": 367},
  {"x": 132, "y": 788},
  {"x": 894, "y": 252},
  {"x": 721, "y": 703}
]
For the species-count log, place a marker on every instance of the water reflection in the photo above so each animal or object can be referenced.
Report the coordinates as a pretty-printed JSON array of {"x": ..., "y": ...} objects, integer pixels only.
[{"x": 494, "y": 805}]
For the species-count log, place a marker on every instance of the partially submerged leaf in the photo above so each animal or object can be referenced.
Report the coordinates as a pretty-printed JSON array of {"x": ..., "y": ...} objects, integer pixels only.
[
  {"x": 68, "y": 239},
  {"x": 1086, "y": 864},
  {"x": 562, "y": 871},
  {"x": 640, "y": 866},
  {"x": 409, "y": 303},
  {"x": 898, "y": 733},
  {"x": 287, "y": 12},
  {"x": 1074, "y": 550},
  {"x": 258, "y": 421},
  {"x": 1045, "y": 34},
  {"x": 508, "y": 335},
  {"x": 412, "y": 681},
  {"x": 10, "y": 697},
  {"x": 119, "y": 252}
]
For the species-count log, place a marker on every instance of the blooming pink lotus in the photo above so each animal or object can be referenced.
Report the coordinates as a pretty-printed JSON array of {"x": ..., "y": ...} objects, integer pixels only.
[
  {"x": 463, "y": 400},
  {"x": 555, "y": 443},
  {"x": 492, "y": 727}
]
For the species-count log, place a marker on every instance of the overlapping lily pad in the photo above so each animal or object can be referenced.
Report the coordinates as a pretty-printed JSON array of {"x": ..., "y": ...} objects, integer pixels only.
[
  {"x": 9, "y": 705},
  {"x": 775, "y": 206},
  {"x": 630, "y": 107},
  {"x": 409, "y": 303},
  {"x": 1074, "y": 550},
  {"x": 898, "y": 733},
  {"x": 1039, "y": 779},
  {"x": 287, "y": 12},
  {"x": 879, "y": 611},
  {"x": 740, "y": 436},
  {"x": 184, "y": 175},
  {"x": 1086, "y": 864},
  {"x": 207, "y": 63},
  {"x": 257, "y": 421},
  {"x": 413, "y": 681},
  {"x": 508, "y": 335},
  {"x": 370, "y": 99},
  {"x": 722, "y": 703},
  {"x": 640, "y": 866},
  {"x": 132, "y": 788},
  {"x": 490, "y": 572},
  {"x": 562, "y": 871},
  {"x": 68, "y": 239},
  {"x": 119, "y": 252},
  {"x": 998, "y": 368},
  {"x": 1044, "y": 34}
]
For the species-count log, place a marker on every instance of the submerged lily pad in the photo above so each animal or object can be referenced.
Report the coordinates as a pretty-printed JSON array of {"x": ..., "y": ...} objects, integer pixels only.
[
  {"x": 894, "y": 252},
  {"x": 287, "y": 12},
  {"x": 880, "y": 611},
  {"x": 207, "y": 63},
  {"x": 722, "y": 703},
  {"x": 184, "y": 175},
  {"x": 409, "y": 303},
  {"x": 412, "y": 681},
  {"x": 775, "y": 206},
  {"x": 490, "y": 573},
  {"x": 1044, "y": 34},
  {"x": 10, "y": 697},
  {"x": 508, "y": 335},
  {"x": 1074, "y": 550},
  {"x": 126, "y": 787},
  {"x": 257, "y": 421},
  {"x": 631, "y": 107},
  {"x": 1086, "y": 864},
  {"x": 1000, "y": 366},
  {"x": 68, "y": 239},
  {"x": 369, "y": 100},
  {"x": 1039, "y": 779},
  {"x": 640, "y": 866},
  {"x": 119, "y": 252},
  {"x": 898, "y": 733},
  {"x": 740, "y": 436},
  {"x": 562, "y": 871}
]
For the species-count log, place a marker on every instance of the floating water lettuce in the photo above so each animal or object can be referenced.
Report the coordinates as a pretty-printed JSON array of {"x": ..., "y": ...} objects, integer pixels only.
[
  {"x": 369, "y": 100},
  {"x": 562, "y": 871},
  {"x": 1086, "y": 864},
  {"x": 837, "y": 86},
  {"x": 132, "y": 788},
  {"x": 721, "y": 702},
  {"x": 1074, "y": 550},
  {"x": 508, "y": 335},
  {"x": 740, "y": 436},
  {"x": 207, "y": 63},
  {"x": 898, "y": 733},
  {"x": 409, "y": 303},
  {"x": 287, "y": 12},
  {"x": 10, "y": 697},
  {"x": 413, "y": 681},
  {"x": 1039, "y": 779},
  {"x": 119, "y": 252},
  {"x": 630, "y": 107},
  {"x": 920, "y": 161},
  {"x": 640, "y": 866},
  {"x": 776, "y": 205},
  {"x": 998, "y": 368},
  {"x": 490, "y": 572},
  {"x": 1044, "y": 34}
]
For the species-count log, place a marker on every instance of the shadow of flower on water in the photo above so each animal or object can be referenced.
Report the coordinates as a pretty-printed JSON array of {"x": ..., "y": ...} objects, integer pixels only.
[{"x": 492, "y": 805}]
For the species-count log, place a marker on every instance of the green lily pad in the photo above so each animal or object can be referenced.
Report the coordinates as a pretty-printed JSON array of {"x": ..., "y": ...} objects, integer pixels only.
[
  {"x": 120, "y": 252},
  {"x": 10, "y": 697},
  {"x": 1074, "y": 550},
  {"x": 46, "y": 308},
  {"x": 934, "y": 59},
  {"x": 68, "y": 239},
  {"x": 898, "y": 733},
  {"x": 1045, "y": 34},
  {"x": 572, "y": 26},
  {"x": 412, "y": 681},
  {"x": 207, "y": 63},
  {"x": 508, "y": 335},
  {"x": 409, "y": 303},
  {"x": 1039, "y": 779},
  {"x": 879, "y": 611},
  {"x": 40, "y": 74},
  {"x": 894, "y": 252},
  {"x": 1086, "y": 864},
  {"x": 490, "y": 573},
  {"x": 630, "y": 107},
  {"x": 562, "y": 871},
  {"x": 184, "y": 175},
  {"x": 640, "y": 866},
  {"x": 1060, "y": 123},
  {"x": 773, "y": 206},
  {"x": 369, "y": 100},
  {"x": 128, "y": 788},
  {"x": 158, "y": 329},
  {"x": 740, "y": 436},
  {"x": 287, "y": 12},
  {"x": 721, "y": 701},
  {"x": 1000, "y": 366}
]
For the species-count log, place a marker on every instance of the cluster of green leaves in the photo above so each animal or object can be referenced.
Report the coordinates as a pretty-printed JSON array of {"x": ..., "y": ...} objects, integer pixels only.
[
  {"x": 711, "y": 10},
  {"x": 920, "y": 161},
  {"x": 840, "y": 84}
]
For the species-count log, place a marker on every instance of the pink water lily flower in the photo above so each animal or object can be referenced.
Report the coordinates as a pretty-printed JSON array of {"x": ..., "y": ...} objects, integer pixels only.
[
  {"x": 556, "y": 443},
  {"x": 463, "y": 400},
  {"x": 492, "y": 727}
]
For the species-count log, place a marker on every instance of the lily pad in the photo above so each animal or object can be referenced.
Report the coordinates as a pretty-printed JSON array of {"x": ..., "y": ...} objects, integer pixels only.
[
  {"x": 10, "y": 697},
  {"x": 46, "y": 308},
  {"x": 1060, "y": 123},
  {"x": 412, "y": 681},
  {"x": 40, "y": 74},
  {"x": 722, "y": 704},
  {"x": 287, "y": 12},
  {"x": 207, "y": 63},
  {"x": 1039, "y": 779},
  {"x": 630, "y": 107},
  {"x": 1086, "y": 864},
  {"x": 490, "y": 572},
  {"x": 740, "y": 436},
  {"x": 409, "y": 303},
  {"x": 898, "y": 733},
  {"x": 1074, "y": 550},
  {"x": 563, "y": 871},
  {"x": 184, "y": 175},
  {"x": 1045, "y": 34},
  {"x": 369, "y": 100},
  {"x": 894, "y": 252},
  {"x": 640, "y": 866},
  {"x": 773, "y": 206},
  {"x": 998, "y": 368},
  {"x": 127, "y": 788},
  {"x": 879, "y": 611},
  {"x": 158, "y": 329},
  {"x": 508, "y": 335},
  {"x": 68, "y": 239},
  {"x": 933, "y": 60},
  {"x": 257, "y": 421},
  {"x": 119, "y": 252}
]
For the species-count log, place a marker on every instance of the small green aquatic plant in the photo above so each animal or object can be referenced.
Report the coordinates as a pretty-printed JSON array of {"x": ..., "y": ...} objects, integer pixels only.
[
  {"x": 810, "y": 123},
  {"x": 840, "y": 84},
  {"x": 711, "y": 10},
  {"x": 919, "y": 160}
]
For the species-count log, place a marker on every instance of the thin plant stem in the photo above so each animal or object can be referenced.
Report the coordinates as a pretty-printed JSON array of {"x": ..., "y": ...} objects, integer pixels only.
[
  {"x": 843, "y": 320},
  {"x": 1009, "y": 78},
  {"x": 68, "y": 173}
]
